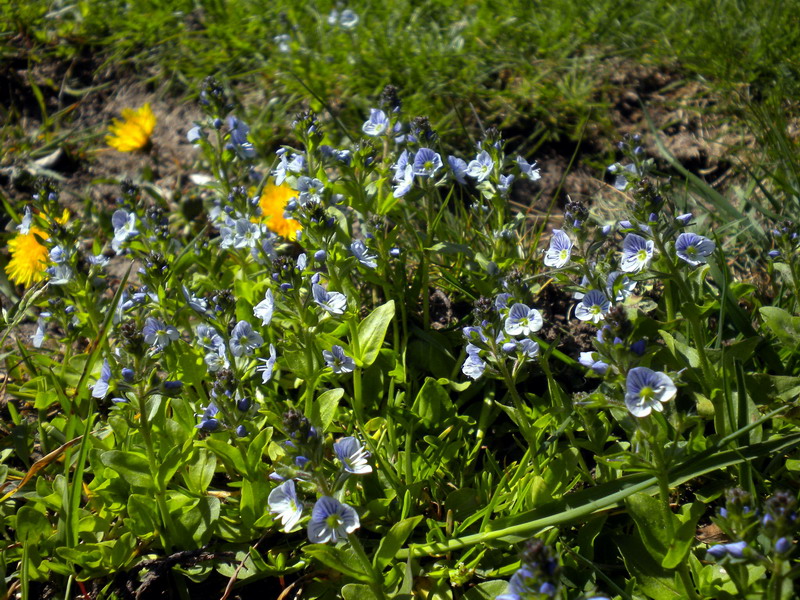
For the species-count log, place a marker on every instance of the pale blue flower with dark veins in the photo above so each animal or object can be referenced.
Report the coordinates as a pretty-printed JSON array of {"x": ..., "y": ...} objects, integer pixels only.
[
  {"x": 268, "y": 367},
  {"x": 337, "y": 360},
  {"x": 286, "y": 166},
  {"x": 459, "y": 169},
  {"x": 362, "y": 253},
  {"x": 474, "y": 366},
  {"x": 331, "y": 520},
  {"x": 265, "y": 309},
  {"x": 426, "y": 162},
  {"x": 246, "y": 234},
  {"x": 587, "y": 360},
  {"x": 636, "y": 253},
  {"x": 560, "y": 250},
  {"x": 522, "y": 320},
  {"x": 199, "y": 305},
  {"x": 333, "y": 302},
  {"x": 694, "y": 249},
  {"x": 208, "y": 337},
  {"x": 352, "y": 455},
  {"x": 310, "y": 189},
  {"x": 626, "y": 288},
  {"x": 527, "y": 169},
  {"x": 244, "y": 339},
  {"x": 399, "y": 167},
  {"x": 593, "y": 307},
  {"x": 528, "y": 348},
  {"x": 405, "y": 182},
  {"x": 217, "y": 359},
  {"x": 481, "y": 167},
  {"x": 100, "y": 388},
  {"x": 284, "y": 504},
  {"x": 239, "y": 142},
  {"x": 647, "y": 390},
  {"x": 504, "y": 184},
  {"x": 377, "y": 123},
  {"x": 157, "y": 334}
]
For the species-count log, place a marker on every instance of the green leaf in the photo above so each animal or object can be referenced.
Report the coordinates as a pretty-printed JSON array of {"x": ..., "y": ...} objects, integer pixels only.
[
  {"x": 785, "y": 327},
  {"x": 201, "y": 470},
  {"x": 684, "y": 534},
  {"x": 144, "y": 519},
  {"x": 358, "y": 591},
  {"x": 488, "y": 590},
  {"x": 324, "y": 409},
  {"x": 652, "y": 579},
  {"x": 393, "y": 541},
  {"x": 32, "y": 525},
  {"x": 169, "y": 466},
  {"x": 429, "y": 402},
  {"x": 372, "y": 331},
  {"x": 133, "y": 467},
  {"x": 195, "y": 526},
  {"x": 648, "y": 514},
  {"x": 338, "y": 559}
]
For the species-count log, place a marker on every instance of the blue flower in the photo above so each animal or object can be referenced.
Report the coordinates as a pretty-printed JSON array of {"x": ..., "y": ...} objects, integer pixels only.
[
  {"x": 124, "y": 224},
  {"x": 217, "y": 359},
  {"x": 269, "y": 365},
  {"x": 264, "y": 309},
  {"x": 626, "y": 287},
  {"x": 404, "y": 182},
  {"x": 527, "y": 169},
  {"x": 244, "y": 339},
  {"x": 352, "y": 455},
  {"x": 647, "y": 390},
  {"x": 284, "y": 504},
  {"x": 528, "y": 348},
  {"x": 426, "y": 162},
  {"x": 504, "y": 184},
  {"x": 636, "y": 253},
  {"x": 362, "y": 253},
  {"x": 694, "y": 249},
  {"x": 459, "y": 168},
  {"x": 560, "y": 250},
  {"x": 333, "y": 302},
  {"x": 195, "y": 134},
  {"x": 286, "y": 166},
  {"x": 310, "y": 189},
  {"x": 684, "y": 219},
  {"x": 337, "y": 360},
  {"x": 377, "y": 123},
  {"x": 522, "y": 320},
  {"x": 331, "y": 520},
  {"x": 208, "y": 337},
  {"x": 734, "y": 549},
  {"x": 157, "y": 334},
  {"x": 100, "y": 388},
  {"x": 208, "y": 421},
  {"x": 239, "y": 142},
  {"x": 481, "y": 167},
  {"x": 593, "y": 307},
  {"x": 199, "y": 305},
  {"x": 474, "y": 366},
  {"x": 588, "y": 361}
]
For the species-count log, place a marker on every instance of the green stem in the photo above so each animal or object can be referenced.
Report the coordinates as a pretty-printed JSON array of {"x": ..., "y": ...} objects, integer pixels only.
[{"x": 153, "y": 460}]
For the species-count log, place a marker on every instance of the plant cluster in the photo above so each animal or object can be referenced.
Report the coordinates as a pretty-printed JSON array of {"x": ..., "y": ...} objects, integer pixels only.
[{"x": 349, "y": 367}]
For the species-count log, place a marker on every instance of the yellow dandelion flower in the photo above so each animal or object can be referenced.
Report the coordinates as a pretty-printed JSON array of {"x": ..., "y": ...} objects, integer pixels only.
[
  {"x": 133, "y": 133},
  {"x": 273, "y": 203},
  {"x": 28, "y": 257}
]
